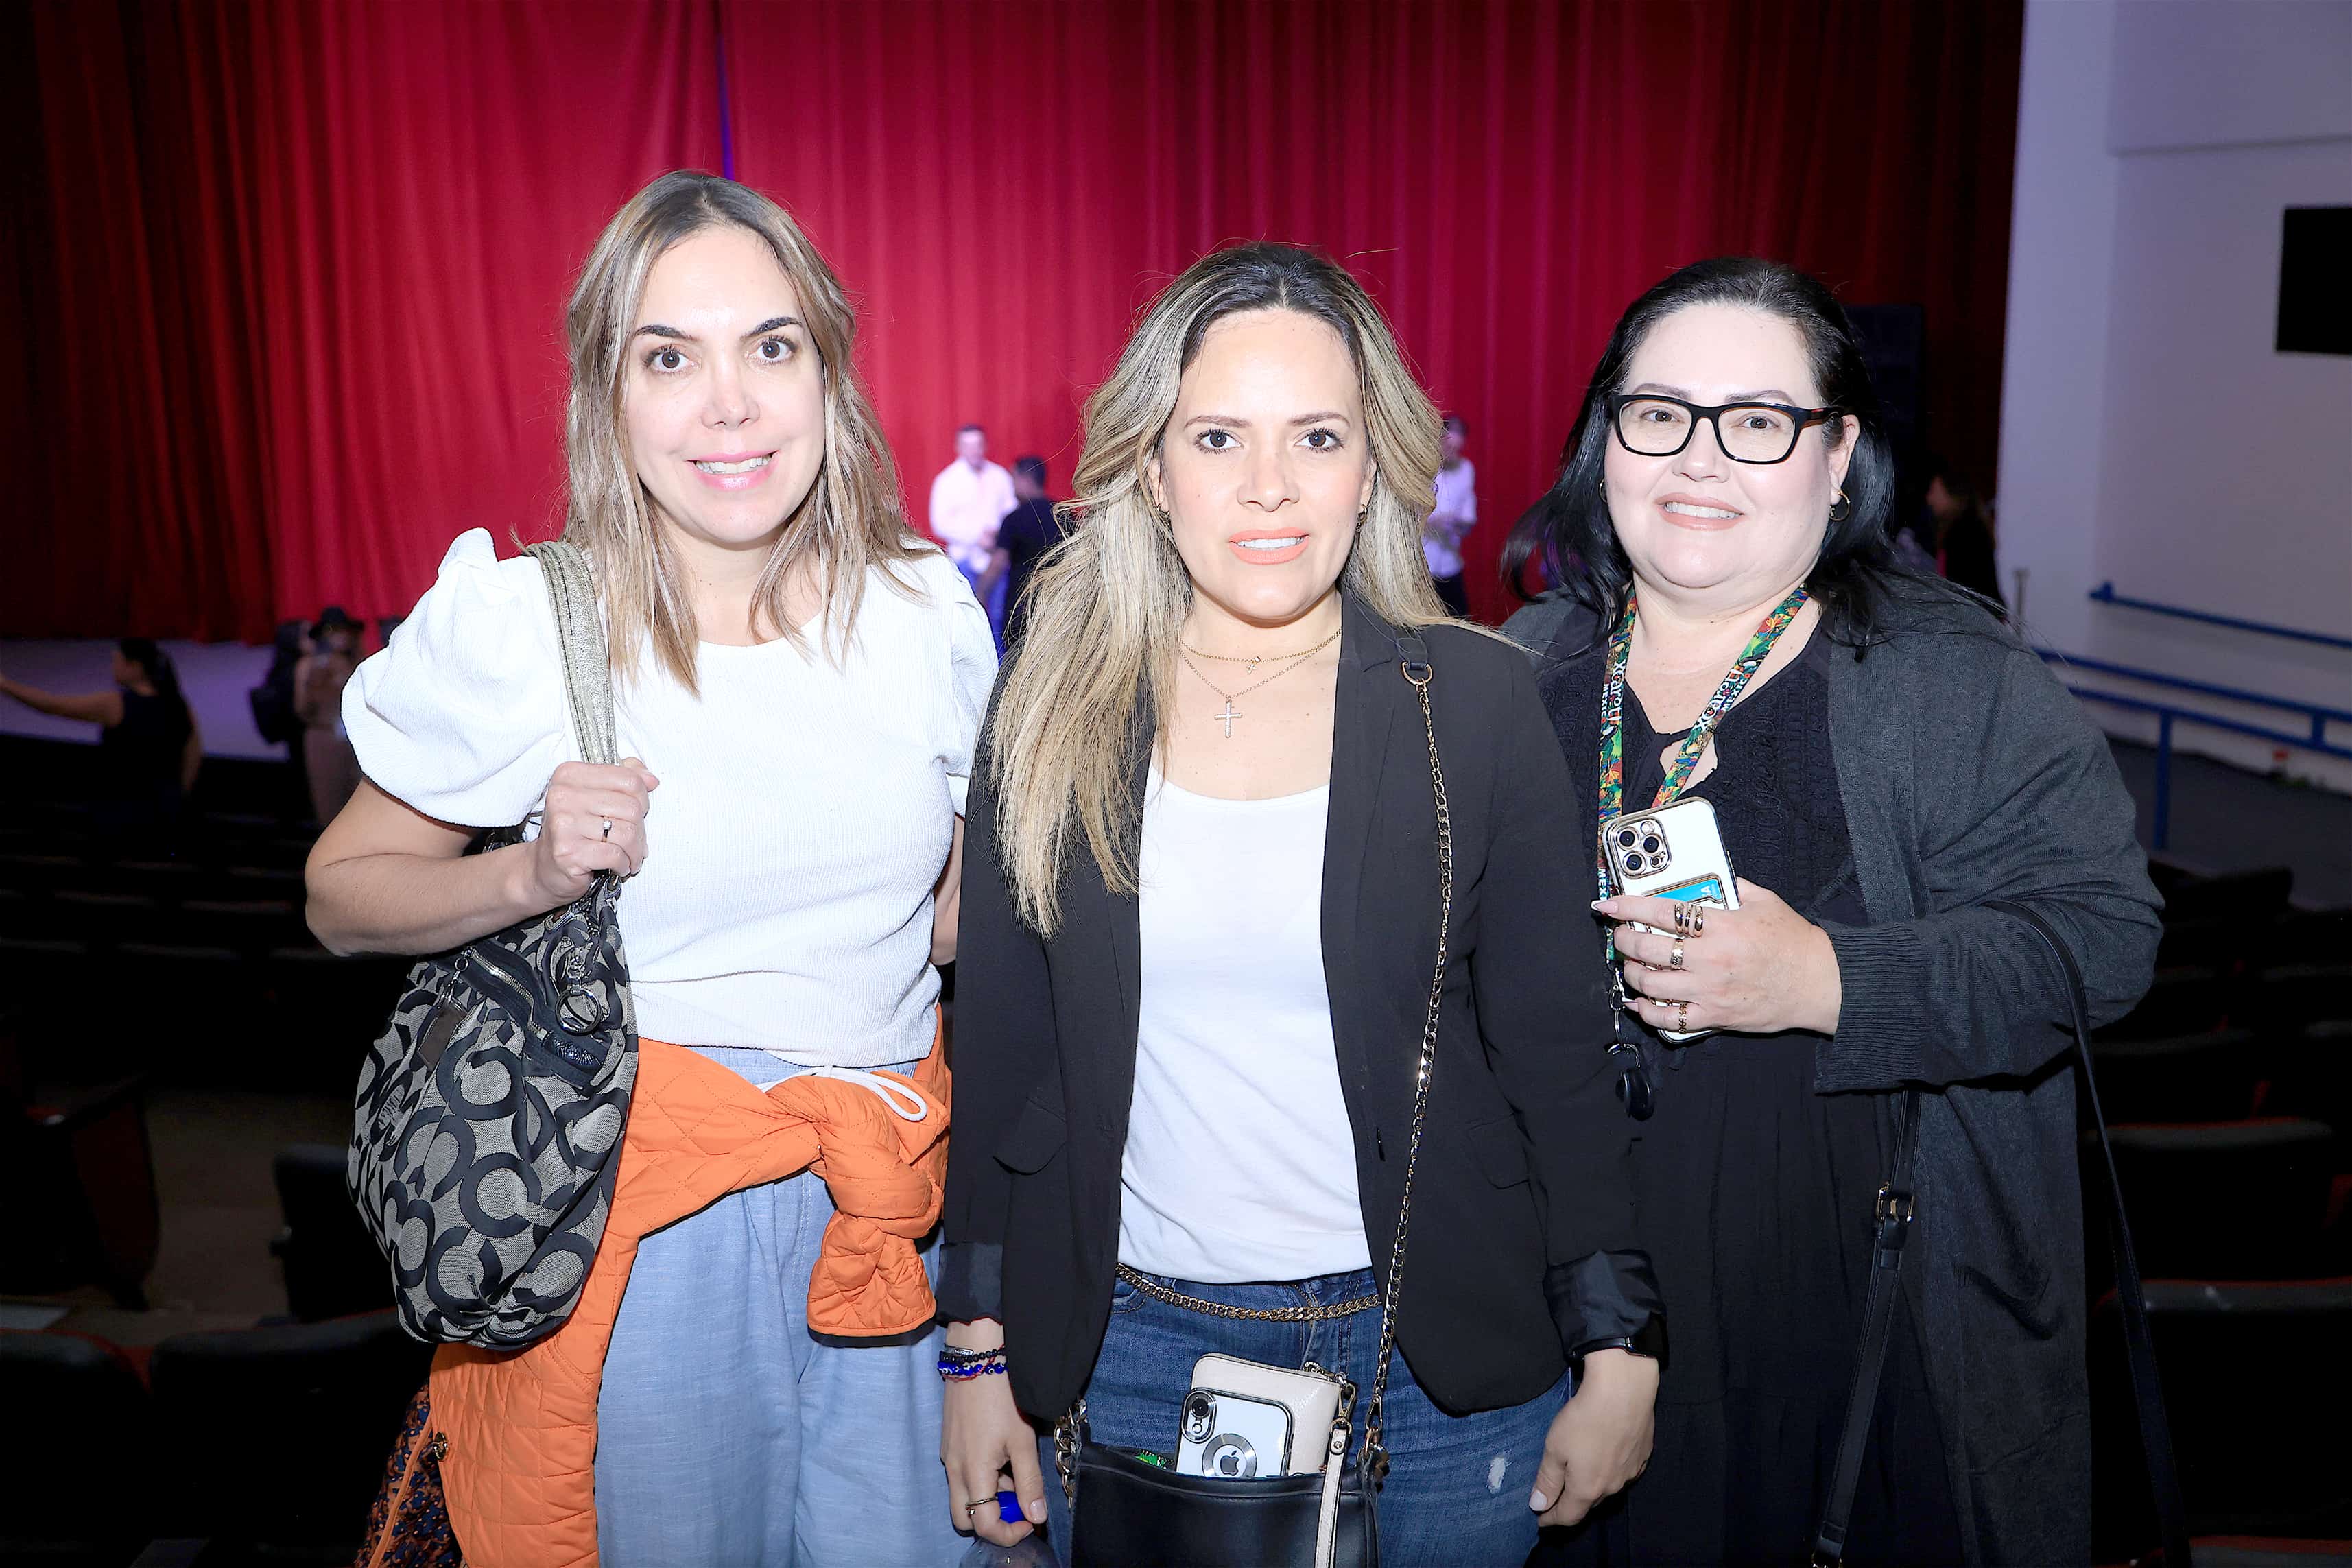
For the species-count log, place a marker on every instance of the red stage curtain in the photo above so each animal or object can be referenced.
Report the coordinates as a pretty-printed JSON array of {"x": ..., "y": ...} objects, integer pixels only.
[
  {"x": 295, "y": 275},
  {"x": 1006, "y": 184},
  {"x": 291, "y": 273}
]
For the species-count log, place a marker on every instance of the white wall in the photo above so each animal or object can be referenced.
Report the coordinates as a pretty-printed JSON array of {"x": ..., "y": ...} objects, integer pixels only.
[{"x": 2150, "y": 434}]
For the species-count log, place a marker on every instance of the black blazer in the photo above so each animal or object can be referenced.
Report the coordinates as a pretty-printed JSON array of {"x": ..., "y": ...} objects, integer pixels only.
[{"x": 1522, "y": 1248}]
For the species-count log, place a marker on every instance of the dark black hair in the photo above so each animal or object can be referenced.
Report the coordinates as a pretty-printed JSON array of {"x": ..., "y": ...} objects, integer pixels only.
[
  {"x": 1456, "y": 422},
  {"x": 1570, "y": 530},
  {"x": 971, "y": 430},
  {"x": 1031, "y": 467},
  {"x": 156, "y": 666}
]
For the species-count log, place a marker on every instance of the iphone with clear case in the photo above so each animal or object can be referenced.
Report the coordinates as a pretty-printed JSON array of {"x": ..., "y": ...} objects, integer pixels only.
[{"x": 1671, "y": 852}]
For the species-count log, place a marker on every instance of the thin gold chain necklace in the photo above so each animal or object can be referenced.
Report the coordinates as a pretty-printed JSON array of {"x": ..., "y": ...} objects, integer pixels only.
[
  {"x": 1293, "y": 660},
  {"x": 1252, "y": 659}
]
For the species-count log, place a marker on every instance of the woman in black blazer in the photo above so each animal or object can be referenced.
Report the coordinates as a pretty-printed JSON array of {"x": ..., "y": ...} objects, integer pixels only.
[{"x": 1199, "y": 911}]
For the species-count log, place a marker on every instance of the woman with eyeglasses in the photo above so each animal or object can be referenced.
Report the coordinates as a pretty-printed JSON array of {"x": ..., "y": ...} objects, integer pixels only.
[{"x": 1882, "y": 759}]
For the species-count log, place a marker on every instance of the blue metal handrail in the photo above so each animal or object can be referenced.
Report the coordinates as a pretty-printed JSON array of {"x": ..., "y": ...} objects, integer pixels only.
[
  {"x": 2106, "y": 594},
  {"x": 2166, "y": 713}
]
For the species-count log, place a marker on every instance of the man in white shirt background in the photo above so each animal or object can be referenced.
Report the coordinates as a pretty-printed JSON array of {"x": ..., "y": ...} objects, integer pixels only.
[
  {"x": 1456, "y": 515},
  {"x": 969, "y": 499}
]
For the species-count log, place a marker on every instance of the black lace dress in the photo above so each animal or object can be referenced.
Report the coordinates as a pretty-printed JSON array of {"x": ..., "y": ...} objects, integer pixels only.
[{"x": 1755, "y": 1193}]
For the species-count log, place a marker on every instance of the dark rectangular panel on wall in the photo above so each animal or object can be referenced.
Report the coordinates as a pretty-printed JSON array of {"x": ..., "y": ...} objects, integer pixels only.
[
  {"x": 1894, "y": 342},
  {"x": 2314, "y": 312}
]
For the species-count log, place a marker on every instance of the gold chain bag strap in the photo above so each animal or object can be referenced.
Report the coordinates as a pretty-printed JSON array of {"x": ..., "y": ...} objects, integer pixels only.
[{"x": 1126, "y": 1511}]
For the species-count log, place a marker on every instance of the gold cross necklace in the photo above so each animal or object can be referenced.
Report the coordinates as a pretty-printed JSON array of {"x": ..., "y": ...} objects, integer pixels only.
[{"x": 1289, "y": 662}]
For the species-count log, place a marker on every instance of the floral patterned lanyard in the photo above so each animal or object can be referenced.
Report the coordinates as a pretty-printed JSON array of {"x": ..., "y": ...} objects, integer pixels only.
[{"x": 1678, "y": 772}]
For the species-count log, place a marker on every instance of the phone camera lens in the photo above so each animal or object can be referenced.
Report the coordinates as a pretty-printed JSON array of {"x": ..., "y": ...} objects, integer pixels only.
[
  {"x": 1200, "y": 1416},
  {"x": 1650, "y": 845},
  {"x": 1633, "y": 862},
  {"x": 1625, "y": 837}
]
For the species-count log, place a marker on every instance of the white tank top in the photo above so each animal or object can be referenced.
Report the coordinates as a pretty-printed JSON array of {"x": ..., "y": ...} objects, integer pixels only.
[{"x": 1240, "y": 1163}]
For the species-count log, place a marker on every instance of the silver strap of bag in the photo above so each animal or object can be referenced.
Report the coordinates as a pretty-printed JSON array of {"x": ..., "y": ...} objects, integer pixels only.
[
  {"x": 580, "y": 635},
  {"x": 1414, "y": 661}
]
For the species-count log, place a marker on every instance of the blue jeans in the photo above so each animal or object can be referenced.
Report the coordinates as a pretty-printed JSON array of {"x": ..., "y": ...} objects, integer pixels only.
[
  {"x": 729, "y": 1436},
  {"x": 1457, "y": 1494}
]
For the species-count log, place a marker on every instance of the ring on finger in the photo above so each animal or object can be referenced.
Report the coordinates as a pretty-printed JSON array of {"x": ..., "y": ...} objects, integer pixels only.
[
  {"x": 1682, "y": 919},
  {"x": 608, "y": 827},
  {"x": 1674, "y": 957},
  {"x": 1681, "y": 1017}
]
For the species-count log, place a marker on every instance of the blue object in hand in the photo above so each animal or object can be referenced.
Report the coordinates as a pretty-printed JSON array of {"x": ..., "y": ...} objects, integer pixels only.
[{"x": 1008, "y": 1508}]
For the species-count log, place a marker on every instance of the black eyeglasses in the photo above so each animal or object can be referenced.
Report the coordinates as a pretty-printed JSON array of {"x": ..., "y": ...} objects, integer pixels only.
[{"x": 1651, "y": 425}]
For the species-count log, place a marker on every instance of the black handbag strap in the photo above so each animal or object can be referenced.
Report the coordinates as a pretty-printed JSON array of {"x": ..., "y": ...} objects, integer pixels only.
[
  {"x": 2147, "y": 1392},
  {"x": 2140, "y": 1343},
  {"x": 1890, "y": 1229}
]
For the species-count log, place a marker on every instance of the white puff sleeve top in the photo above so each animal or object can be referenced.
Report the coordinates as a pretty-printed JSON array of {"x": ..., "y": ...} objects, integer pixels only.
[{"x": 804, "y": 814}]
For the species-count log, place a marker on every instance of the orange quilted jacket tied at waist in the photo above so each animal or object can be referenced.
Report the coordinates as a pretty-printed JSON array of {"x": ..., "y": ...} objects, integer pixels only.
[{"x": 521, "y": 1425}]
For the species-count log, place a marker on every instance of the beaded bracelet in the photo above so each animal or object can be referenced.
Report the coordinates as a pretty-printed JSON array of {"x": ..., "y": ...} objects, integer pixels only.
[{"x": 961, "y": 1366}]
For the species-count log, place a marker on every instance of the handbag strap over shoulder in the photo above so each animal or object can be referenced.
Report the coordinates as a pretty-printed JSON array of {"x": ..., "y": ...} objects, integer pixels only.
[
  {"x": 580, "y": 635},
  {"x": 2131, "y": 1298},
  {"x": 1894, "y": 1218},
  {"x": 1414, "y": 660}
]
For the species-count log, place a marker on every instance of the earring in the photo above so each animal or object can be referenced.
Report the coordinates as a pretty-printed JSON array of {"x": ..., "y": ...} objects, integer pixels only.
[{"x": 1840, "y": 509}]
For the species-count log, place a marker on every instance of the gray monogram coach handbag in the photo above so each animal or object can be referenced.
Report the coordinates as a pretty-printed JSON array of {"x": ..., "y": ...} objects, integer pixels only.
[{"x": 487, "y": 1134}]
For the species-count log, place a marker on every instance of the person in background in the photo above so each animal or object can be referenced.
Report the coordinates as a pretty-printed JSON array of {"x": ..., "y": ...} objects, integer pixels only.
[
  {"x": 1451, "y": 522},
  {"x": 969, "y": 500},
  {"x": 274, "y": 720},
  {"x": 150, "y": 746},
  {"x": 329, "y": 765},
  {"x": 1028, "y": 531},
  {"x": 1963, "y": 532}
]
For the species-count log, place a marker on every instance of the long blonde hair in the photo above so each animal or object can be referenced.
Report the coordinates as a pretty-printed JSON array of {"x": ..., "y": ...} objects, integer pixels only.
[
  {"x": 851, "y": 519},
  {"x": 1106, "y": 607}
]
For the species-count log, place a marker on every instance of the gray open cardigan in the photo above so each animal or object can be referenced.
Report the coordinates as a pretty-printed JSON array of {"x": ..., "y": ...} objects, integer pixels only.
[{"x": 1970, "y": 774}]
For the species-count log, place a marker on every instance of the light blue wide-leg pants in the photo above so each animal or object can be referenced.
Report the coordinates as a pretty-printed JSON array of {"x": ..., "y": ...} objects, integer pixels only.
[{"x": 729, "y": 1436}]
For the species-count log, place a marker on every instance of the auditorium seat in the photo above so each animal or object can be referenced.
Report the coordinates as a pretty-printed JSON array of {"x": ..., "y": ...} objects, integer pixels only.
[
  {"x": 2310, "y": 936},
  {"x": 325, "y": 1010},
  {"x": 2185, "y": 1077},
  {"x": 333, "y": 1266},
  {"x": 267, "y": 881},
  {"x": 251, "y": 926},
  {"x": 2312, "y": 1075},
  {"x": 278, "y": 1435},
  {"x": 2290, "y": 996},
  {"x": 2181, "y": 1002},
  {"x": 2221, "y": 944},
  {"x": 40, "y": 872},
  {"x": 167, "y": 999},
  {"x": 79, "y": 1173},
  {"x": 82, "y": 1438},
  {"x": 23, "y": 914},
  {"x": 109, "y": 918},
  {"x": 2245, "y": 896},
  {"x": 2226, "y": 1200},
  {"x": 2256, "y": 1383}
]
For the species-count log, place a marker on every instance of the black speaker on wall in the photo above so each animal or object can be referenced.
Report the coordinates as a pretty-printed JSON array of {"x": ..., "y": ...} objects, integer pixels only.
[
  {"x": 1894, "y": 346},
  {"x": 2314, "y": 309}
]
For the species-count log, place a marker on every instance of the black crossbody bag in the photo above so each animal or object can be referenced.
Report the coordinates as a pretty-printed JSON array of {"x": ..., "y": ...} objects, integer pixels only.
[
  {"x": 1891, "y": 1226},
  {"x": 1126, "y": 1513}
]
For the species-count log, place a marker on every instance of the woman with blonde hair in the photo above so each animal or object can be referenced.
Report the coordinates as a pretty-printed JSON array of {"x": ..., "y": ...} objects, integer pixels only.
[
  {"x": 1210, "y": 862},
  {"x": 805, "y": 676}
]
